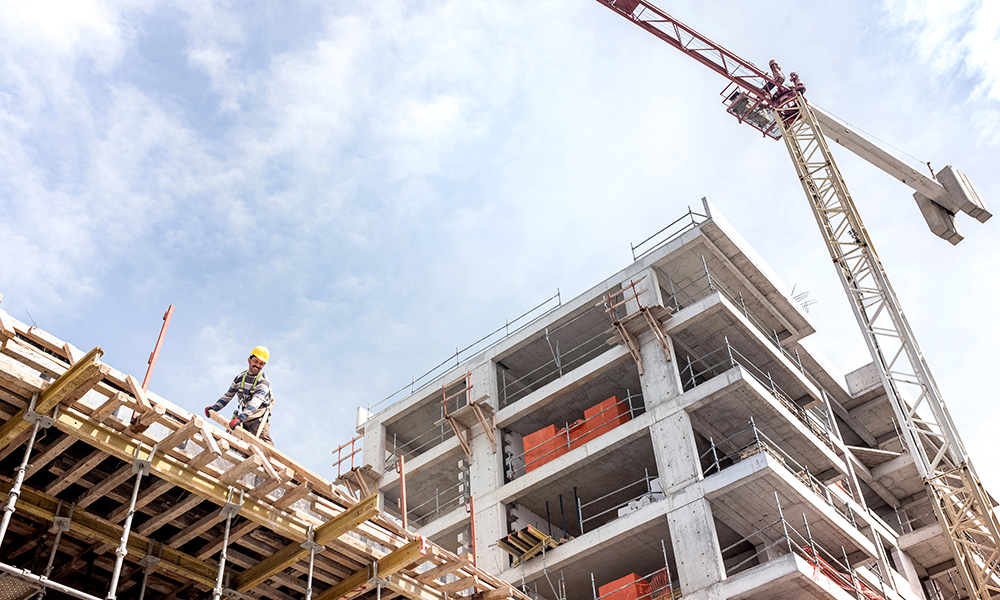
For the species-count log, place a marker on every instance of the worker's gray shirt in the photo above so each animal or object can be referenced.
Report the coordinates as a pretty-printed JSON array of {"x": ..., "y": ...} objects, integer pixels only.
[{"x": 253, "y": 395}]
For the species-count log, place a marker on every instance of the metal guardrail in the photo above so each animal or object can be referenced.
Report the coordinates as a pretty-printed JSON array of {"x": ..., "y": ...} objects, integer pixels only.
[
  {"x": 750, "y": 442},
  {"x": 489, "y": 340},
  {"x": 518, "y": 462},
  {"x": 586, "y": 345},
  {"x": 781, "y": 537},
  {"x": 725, "y": 358},
  {"x": 674, "y": 230},
  {"x": 643, "y": 486},
  {"x": 417, "y": 446},
  {"x": 658, "y": 585},
  {"x": 705, "y": 285},
  {"x": 443, "y": 501}
]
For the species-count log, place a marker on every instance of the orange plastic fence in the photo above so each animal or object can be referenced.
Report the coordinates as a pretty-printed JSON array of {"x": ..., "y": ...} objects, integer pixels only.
[{"x": 840, "y": 579}]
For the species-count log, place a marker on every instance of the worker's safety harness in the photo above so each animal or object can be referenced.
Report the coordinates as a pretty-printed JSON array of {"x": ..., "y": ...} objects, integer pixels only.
[{"x": 266, "y": 417}]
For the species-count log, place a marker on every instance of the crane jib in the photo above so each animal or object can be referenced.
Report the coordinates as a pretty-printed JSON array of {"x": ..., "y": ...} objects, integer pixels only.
[{"x": 961, "y": 505}]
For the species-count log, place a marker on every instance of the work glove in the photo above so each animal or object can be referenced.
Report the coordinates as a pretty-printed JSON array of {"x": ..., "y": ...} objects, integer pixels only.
[
  {"x": 234, "y": 423},
  {"x": 208, "y": 415}
]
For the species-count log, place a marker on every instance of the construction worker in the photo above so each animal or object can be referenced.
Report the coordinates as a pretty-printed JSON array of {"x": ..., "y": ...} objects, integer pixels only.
[{"x": 253, "y": 396}]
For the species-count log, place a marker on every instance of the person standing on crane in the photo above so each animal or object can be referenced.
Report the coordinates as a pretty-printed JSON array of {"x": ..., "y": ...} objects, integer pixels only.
[{"x": 253, "y": 396}]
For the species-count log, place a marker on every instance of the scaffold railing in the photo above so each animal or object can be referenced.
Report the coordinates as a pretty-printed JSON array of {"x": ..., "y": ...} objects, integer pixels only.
[
  {"x": 781, "y": 537},
  {"x": 656, "y": 585},
  {"x": 633, "y": 495},
  {"x": 416, "y": 446},
  {"x": 584, "y": 346}
]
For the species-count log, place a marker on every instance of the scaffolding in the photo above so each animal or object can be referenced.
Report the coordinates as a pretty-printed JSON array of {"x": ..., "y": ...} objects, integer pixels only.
[{"x": 177, "y": 508}]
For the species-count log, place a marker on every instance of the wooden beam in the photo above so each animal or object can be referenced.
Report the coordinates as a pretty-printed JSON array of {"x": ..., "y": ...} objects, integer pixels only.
[
  {"x": 410, "y": 588},
  {"x": 239, "y": 469},
  {"x": 170, "y": 514},
  {"x": 324, "y": 534},
  {"x": 153, "y": 491},
  {"x": 462, "y": 583},
  {"x": 360, "y": 582},
  {"x": 6, "y": 325},
  {"x": 294, "y": 495},
  {"x": 39, "y": 461},
  {"x": 68, "y": 388},
  {"x": 443, "y": 569},
  {"x": 76, "y": 472},
  {"x": 110, "y": 483},
  {"x": 181, "y": 434},
  {"x": 43, "y": 506},
  {"x": 505, "y": 592},
  {"x": 180, "y": 474}
]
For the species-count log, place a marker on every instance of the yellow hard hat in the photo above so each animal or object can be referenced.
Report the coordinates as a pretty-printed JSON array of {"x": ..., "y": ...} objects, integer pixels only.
[{"x": 261, "y": 353}]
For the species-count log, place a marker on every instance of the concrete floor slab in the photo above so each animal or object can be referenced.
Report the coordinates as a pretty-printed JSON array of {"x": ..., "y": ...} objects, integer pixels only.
[{"x": 746, "y": 497}]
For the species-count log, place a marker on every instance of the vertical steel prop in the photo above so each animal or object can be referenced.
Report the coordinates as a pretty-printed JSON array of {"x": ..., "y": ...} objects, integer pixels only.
[
  {"x": 311, "y": 545},
  {"x": 229, "y": 510},
  {"x": 401, "y": 469},
  {"x": 59, "y": 525},
  {"x": 148, "y": 563},
  {"x": 39, "y": 421},
  {"x": 140, "y": 467}
]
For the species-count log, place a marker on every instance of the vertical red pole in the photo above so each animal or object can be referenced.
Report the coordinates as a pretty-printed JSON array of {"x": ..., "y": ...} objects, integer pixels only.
[
  {"x": 472, "y": 529},
  {"x": 156, "y": 348},
  {"x": 402, "y": 489}
]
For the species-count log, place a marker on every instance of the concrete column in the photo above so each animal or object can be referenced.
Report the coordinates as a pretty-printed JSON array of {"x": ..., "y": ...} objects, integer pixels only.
[
  {"x": 696, "y": 546},
  {"x": 661, "y": 379},
  {"x": 374, "y": 446},
  {"x": 486, "y": 475},
  {"x": 909, "y": 571},
  {"x": 692, "y": 527},
  {"x": 677, "y": 461}
]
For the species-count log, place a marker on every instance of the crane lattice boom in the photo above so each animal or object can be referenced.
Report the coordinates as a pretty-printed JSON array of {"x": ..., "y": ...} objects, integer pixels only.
[{"x": 763, "y": 101}]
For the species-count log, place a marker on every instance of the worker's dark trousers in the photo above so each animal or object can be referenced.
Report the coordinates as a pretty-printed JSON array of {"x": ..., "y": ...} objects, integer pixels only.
[{"x": 251, "y": 426}]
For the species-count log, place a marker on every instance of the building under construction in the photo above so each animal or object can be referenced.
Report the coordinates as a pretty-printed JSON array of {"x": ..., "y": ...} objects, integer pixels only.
[
  {"x": 110, "y": 491},
  {"x": 669, "y": 432}
]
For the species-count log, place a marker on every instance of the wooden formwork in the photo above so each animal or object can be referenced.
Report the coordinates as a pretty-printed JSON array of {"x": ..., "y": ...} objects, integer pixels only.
[{"x": 83, "y": 467}]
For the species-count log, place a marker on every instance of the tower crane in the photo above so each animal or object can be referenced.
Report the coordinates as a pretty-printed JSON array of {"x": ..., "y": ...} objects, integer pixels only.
[{"x": 778, "y": 108}]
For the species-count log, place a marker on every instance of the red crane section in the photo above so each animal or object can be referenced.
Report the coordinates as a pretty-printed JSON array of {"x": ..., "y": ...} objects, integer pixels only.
[{"x": 751, "y": 93}]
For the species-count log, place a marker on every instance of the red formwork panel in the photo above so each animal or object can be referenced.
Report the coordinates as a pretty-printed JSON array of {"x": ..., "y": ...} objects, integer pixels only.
[{"x": 630, "y": 587}]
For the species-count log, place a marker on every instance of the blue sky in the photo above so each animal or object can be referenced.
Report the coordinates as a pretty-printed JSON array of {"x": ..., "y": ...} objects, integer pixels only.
[{"x": 366, "y": 187}]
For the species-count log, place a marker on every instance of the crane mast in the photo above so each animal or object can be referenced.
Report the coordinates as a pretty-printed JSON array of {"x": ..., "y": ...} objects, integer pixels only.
[{"x": 764, "y": 101}]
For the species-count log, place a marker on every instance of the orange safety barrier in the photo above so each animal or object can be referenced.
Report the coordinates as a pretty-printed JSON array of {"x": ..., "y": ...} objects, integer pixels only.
[
  {"x": 542, "y": 446},
  {"x": 630, "y": 587},
  {"x": 548, "y": 443}
]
